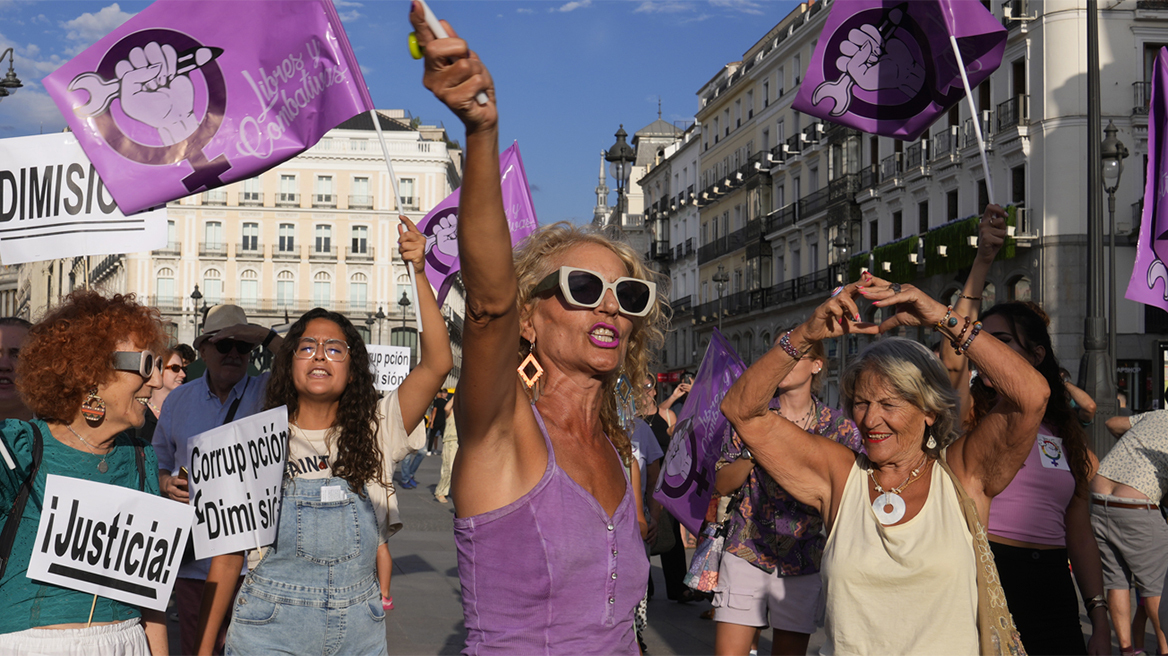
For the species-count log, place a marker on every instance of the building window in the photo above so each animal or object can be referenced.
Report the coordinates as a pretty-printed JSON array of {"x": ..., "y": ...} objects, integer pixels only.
[
  {"x": 873, "y": 233},
  {"x": 322, "y": 289},
  {"x": 324, "y": 191},
  {"x": 171, "y": 236},
  {"x": 1019, "y": 290},
  {"x": 249, "y": 290},
  {"x": 983, "y": 197},
  {"x": 251, "y": 237},
  {"x": 406, "y": 188},
  {"x": 360, "y": 196},
  {"x": 1018, "y": 186},
  {"x": 358, "y": 292},
  {"x": 951, "y": 211},
  {"x": 897, "y": 225},
  {"x": 360, "y": 240},
  {"x": 164, "y": 288},
  {"x": 285, "y": 289},
  {"x": 287, "y": 237},
  {"x": 213, "y": 235},
  {"x": 324, "y": 239},
  {"x": 213, "y": 287},
  {"x": 923, "y": 218},
  {"x": 288, "y": 195},
  {"x": 251, "y": 194}
]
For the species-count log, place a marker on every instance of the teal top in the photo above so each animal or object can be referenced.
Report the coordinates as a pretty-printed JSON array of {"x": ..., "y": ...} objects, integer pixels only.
[{"x": 28, "y": 604}]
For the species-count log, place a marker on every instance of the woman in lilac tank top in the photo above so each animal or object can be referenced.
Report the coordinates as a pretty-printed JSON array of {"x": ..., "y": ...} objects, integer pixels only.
[{"x": 550, "y": 556}]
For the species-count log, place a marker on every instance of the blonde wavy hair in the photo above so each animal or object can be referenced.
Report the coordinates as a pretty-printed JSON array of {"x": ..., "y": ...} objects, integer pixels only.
[{"x": 536, "y": 257}]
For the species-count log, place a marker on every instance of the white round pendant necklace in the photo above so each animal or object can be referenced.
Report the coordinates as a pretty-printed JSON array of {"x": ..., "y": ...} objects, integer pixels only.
[{"x": 889, "y": 506}]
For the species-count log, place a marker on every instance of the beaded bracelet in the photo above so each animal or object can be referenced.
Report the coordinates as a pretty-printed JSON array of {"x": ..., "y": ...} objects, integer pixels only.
[
  {"x": 972, "y": 334},
  {"x": 956, "y": 341},
  {"x": 785, "y": 344},
  {"x": 948, "y": 320}
]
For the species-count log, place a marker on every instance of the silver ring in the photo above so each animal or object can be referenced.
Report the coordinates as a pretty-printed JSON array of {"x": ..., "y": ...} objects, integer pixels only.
[{"x": 895, "y": 287}]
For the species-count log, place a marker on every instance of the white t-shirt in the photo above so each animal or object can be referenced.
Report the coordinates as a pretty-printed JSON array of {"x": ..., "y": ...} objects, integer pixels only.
[{"x": 311, "y": 453}]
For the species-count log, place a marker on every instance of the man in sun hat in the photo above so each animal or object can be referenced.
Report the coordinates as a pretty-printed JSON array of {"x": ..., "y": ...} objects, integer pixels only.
[{"x": 223, "y": 394}]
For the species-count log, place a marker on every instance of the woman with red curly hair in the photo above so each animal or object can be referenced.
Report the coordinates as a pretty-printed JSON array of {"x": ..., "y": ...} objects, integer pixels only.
[{"x": 86, "y": 371}]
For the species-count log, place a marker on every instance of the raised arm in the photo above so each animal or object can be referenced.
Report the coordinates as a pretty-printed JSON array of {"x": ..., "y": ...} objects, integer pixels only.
[
  {"x": 991, "y": 235},
  {"x": 812, "y": 469},
  {"x": 488, "y": 385},
  {"x": 418, "y": 389},
  {"x": 986, "y": 459}
]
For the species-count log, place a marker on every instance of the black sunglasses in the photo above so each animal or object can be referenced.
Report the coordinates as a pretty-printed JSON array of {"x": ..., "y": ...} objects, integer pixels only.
[
  {"x": 174, "y": 368},
  {"x": 242, "y": 348}
]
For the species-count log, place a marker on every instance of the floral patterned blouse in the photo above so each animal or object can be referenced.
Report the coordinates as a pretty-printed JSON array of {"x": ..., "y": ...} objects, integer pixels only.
[{"x": 770, "y": 529}]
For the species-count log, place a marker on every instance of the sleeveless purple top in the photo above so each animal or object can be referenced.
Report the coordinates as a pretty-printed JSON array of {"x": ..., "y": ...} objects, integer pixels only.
[{"x": 551, "y": 573}]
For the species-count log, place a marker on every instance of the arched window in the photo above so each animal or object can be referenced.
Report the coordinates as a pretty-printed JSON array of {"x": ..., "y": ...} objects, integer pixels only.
[
  {"x": 285, "y": 289},
  {"x": 1018, "y": 290},
  {"x": 748, "y": 348},
  {"x": 213, "y": 286},
  {"x": 403, "y": 287},
  {"x": 358, "y": 292},
  {"x": 322, "y": 289},
  {"x": 989, "y": 295},
  {"x": 164, "y": 288},
  {"x": 249, "y": 290}
]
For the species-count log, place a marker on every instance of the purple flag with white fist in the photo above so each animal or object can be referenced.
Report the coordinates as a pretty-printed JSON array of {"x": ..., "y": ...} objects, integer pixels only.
[
  {"x": 190, "y": 95},
  {"x": 887, "y": 67},
  {"x": 1149, "y": 279},
  {"x": 441, "y": 224},
  {"x": 687, "y": 474}
]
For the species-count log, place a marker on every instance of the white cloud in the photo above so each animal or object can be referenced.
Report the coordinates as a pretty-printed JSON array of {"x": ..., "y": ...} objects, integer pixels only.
[
  {"x": 87, "y": 28},
  {"x": 349, "y": 16},
  {"x": 365, "y": 70},
  {"x": 29, "y": 111},
  {"x": 347, "y": 3},
  {"x": 524, "y": 10},
  {"x": 41, "y": 19},
  {"x": 572, "y": 6},
  {"x": 744, "y": 6},
  {"x": 663, "y": 7}
]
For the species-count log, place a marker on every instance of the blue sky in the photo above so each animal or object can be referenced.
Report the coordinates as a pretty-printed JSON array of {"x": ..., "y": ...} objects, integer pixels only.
[{"x": 568, "y": 72}]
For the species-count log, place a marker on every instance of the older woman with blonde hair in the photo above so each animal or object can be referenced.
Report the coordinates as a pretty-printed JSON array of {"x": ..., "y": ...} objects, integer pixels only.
[
  {"x": 905, "y": 522},
  {"x": 549, "y": 549},
  {"x": 87, "y": 370}
]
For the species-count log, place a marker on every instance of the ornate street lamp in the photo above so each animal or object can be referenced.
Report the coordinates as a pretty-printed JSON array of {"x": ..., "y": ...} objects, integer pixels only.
[
  {"x": 404, "y": 304},
  {"x": 620, "y": 160},
  {"x": 10, "y": 83},
  {"x": 196, "y": 296},
  {"x": 1112, "y": 153},
  {"x": 380, "y": 316},
  {"x": 720, "y": 278},
  {"x": 369, "y": 321}
]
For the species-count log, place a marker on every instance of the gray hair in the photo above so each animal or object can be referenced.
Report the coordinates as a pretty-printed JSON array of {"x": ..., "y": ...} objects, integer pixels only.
[{"x": 917, "y": 375}]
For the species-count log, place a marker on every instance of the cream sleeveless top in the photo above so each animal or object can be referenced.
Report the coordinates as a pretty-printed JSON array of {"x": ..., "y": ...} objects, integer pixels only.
[{"x": 906, "y": 589}]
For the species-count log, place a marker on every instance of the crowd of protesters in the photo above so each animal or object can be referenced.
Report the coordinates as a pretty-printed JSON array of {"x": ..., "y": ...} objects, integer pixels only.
[{"x": 950, "y": 505}]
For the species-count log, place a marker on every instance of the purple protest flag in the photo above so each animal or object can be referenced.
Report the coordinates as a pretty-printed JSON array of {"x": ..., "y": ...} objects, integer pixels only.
[
  {"x": 441, "y": 223},
  {"x": 887, "y": 67},
  {"x": 191, "y": 95},
  {"x": 687, "y": 475},
  {"x": 1152, "y": 247}
]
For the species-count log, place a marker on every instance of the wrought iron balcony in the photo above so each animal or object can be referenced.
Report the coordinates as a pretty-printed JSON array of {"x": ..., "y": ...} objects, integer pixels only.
[
  {"x": 1142, "y": 95},
  {"x": 1013, "y": 112}
]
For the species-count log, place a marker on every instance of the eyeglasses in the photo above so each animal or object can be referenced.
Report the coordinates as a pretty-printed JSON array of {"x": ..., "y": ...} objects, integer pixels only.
[
  {"x": 174, "y": 368},
  {"x": 139, "y": 362},
  {"x": 585, "y": 289},
  {"x": 334, "y": 349},
  {"x": 242, "y": 348}
]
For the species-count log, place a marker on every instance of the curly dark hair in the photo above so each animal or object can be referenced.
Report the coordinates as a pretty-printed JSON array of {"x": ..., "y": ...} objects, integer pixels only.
[
  {"x": 70, "y": 351},
  {"x": 1028, "y": 326},
  {"x": 359, "y": 459}
]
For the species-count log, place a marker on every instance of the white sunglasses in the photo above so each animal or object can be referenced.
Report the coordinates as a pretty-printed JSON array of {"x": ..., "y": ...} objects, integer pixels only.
[{"x": 585, "y": 289}]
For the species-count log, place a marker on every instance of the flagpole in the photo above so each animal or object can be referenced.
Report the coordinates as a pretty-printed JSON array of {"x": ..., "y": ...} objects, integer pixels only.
[
  {"x": 397, "y": 203},
  {"x": 985, "y": 165}
]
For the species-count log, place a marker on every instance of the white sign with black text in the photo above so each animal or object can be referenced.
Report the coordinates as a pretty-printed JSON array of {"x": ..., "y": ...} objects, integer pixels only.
[
  {"x": 109, "y": 540},
  {"x": 390, "y": 366},
  {"x": 54, "y": 205},
  {"x": 235, "y": 475}
]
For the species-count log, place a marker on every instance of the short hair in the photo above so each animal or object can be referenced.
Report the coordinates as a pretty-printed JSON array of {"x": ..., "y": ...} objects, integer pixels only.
[
  {"x": 917, "y": 376},
  {"x": 15, "y": 321},
  {"x": 534, "y": 261},
  {"x": 186, "y": 352},
  {"x": 70, "y": 351}
]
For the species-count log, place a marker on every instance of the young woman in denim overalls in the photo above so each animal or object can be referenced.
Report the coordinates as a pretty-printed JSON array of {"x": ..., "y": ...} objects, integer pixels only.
[{"x": 316, "y": 589}]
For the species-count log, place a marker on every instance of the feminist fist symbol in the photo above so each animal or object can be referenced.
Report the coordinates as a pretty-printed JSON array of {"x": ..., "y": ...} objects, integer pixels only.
[
  {"x": 153, "y": 92},
  {"x": 445, "y": 237},
  {"x": 875, "y": 62}
]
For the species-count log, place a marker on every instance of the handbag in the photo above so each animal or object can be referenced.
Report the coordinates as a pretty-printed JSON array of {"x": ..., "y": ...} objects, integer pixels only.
[
  {"x": 666, "y": 535},
  {"x": 996, "y": 633},
  {"x": 703, "y": 569}
]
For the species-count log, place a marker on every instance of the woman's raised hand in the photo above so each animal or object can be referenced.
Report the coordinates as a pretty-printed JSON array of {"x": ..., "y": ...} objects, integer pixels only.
[
  {"x": 412, "y": 244},
  {"x": 838, "y": 315},
  {"x": 991, "y": 233},
  {"x": 912, "y": 306},
  {"x": 455, "y": 74}
]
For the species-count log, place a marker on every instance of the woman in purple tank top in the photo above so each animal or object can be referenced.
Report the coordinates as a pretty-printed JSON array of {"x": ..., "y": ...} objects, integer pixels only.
[{"x": 550, "y": 557}]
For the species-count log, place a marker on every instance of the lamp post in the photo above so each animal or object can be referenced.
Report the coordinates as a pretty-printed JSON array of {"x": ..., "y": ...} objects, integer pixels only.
[
  {"x": 10, "y": 83},
  {"x": 369, "y": 321},
  {"x": 196, "y": 296},
  {"x": 1112, "y": 153},
  {"x": 380, "y": 316},
  {"x": 843, "y": 249},
  {"x": 720, "y": 279},
  {"x": 404, "y": 304},
  {"x": 620, "y": 160}
]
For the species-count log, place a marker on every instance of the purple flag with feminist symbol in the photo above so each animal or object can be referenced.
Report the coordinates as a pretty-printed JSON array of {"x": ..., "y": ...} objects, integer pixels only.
[
  {"x": 687, "y": 474},
  {"x": 441, "y": 224},
  {"x": 887, "y": 67},
  {"x": 189, "y": 95},
  {"x": 1149, "y": 279}
]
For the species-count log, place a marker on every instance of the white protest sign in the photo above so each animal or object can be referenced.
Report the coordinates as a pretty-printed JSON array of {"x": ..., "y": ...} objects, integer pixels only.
[
  {"x": 235, "y": 475},
  {"x": 390, "y": 366},
  {"x": 109, "y": 540},
  {"x": 54, "y": 205}
]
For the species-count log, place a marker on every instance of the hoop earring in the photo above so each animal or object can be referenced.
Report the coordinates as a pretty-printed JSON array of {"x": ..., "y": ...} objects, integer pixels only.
[
  {"x": 626, "y": 403},
  {"x": 93, "y": 409},
  {"x": 531, "y": 374}
]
